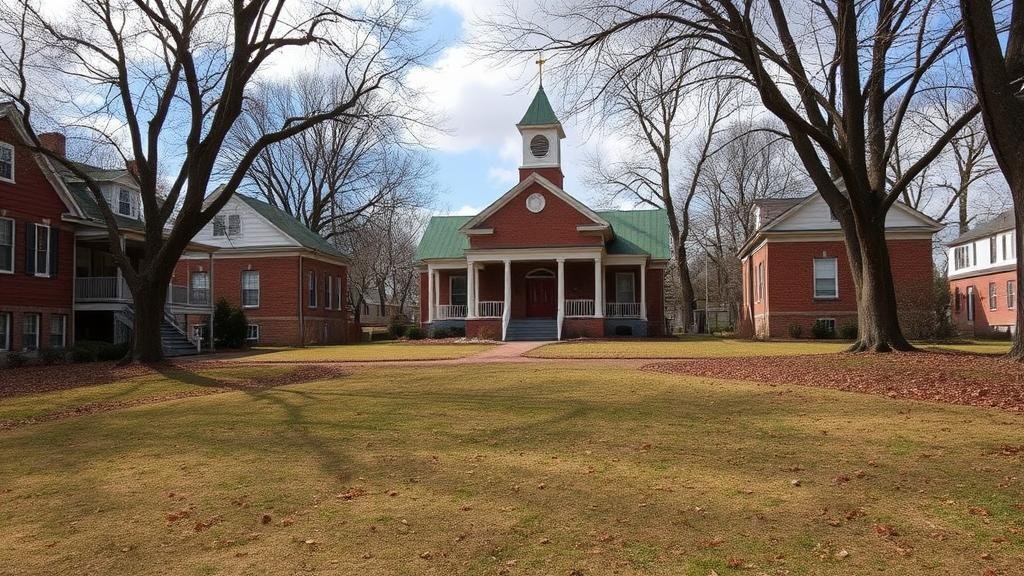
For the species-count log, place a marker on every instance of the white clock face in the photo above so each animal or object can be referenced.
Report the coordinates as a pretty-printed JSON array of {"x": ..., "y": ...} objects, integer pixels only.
[{"x": 535, "y": 202}]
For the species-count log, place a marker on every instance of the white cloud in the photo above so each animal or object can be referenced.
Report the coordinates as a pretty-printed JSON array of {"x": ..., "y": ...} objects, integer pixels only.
[
  {"x": 502, "y": 175},
  {"x": 464, "y": 210}
]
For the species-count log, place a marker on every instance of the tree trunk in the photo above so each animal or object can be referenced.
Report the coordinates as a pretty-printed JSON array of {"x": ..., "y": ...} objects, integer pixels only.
[
  {"x": 878, "y": 326},
  {"x": 685, "y": 304},
  {"x": 962, "y": 215},
  {"x": 148, "y": 297},
  {"x": 1017, "y": 349}
]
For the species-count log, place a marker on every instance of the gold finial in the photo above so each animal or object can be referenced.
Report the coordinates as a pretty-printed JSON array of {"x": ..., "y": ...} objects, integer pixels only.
[{"x": 540, "y": 67}]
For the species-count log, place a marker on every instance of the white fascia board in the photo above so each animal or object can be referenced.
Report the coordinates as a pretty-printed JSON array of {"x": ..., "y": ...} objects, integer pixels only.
[{"x": 568, "y": 253}]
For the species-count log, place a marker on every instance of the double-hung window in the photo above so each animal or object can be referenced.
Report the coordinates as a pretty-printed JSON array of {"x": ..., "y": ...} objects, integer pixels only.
[
  {"x": 30, "y": 332},
  {"x": 328, "y": 292},
  {"x": 250, "y": 288},
  {"x": 6, "y": 162},
  {"x": 312, "y": 289},
  {"x": 992, "y": 250},
  {"x": 6, "y": 245},
  {"x": 1011, "y": 294},
  {"x": 826, "y": 278},
  {"x": 458, "y": 291},
  {"x": 124, "y": 202},
  {"x": 58, "y": 330},
  {"x": 199, "y": 291},
  {"x": 252, "y": 333},
  {"x": 760, "y": 282},
  {"x": 42, "y": 250},
  {"x": 337, "y": 293},
  {"x": 5, "y": 330},
  {"x": 625, "y": 292},
  {"x": 993, "y": 296},
  {"x": 229, "y": 225}
]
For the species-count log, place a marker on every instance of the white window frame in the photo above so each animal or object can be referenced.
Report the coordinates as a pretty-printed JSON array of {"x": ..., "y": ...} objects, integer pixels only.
[
  {"x": 451, "y": 288},
  {"x": 47, "y": 251},
  {"x": 328, "y": 292},
  {"x": 6, "y": 146},
  {"x": 24, "y": 323},
  {"x": 63, "y": 330},
  {"x": 993, "y": 255},
  {"x": 829, "y": 321},
  {"x": 1011, "y": 294},
  {"x": 993, "y": 296},
  {"x": 14, "y": 240},
  {"x": 124, "y": 196},
  {"x": 632, "y": 289},
  {"x": 835, "y": 278},
  {"x": 970, "y": 303},
  {"x": 312, "y": 289},
  {"x": 234, "y": 222},
  {"x": 258, "y": 288},
  {"x": 5, "y": 330},
  {"x": 337, "y": 292},
  {"x": 220, "y": 221},
  {"x": 248, "y": 333}
]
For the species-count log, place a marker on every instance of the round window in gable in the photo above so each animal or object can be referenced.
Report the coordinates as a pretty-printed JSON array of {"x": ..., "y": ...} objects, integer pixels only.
[
  {"x": 535, "y": 202},
  {"x": 539, "y": 146}
]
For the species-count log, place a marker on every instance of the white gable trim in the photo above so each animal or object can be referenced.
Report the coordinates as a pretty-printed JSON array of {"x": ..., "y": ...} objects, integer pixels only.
[
  {"x": 249, "y": 209},
  {"x": 925, "y": 220},
  {"x": 533, "y": 178}
]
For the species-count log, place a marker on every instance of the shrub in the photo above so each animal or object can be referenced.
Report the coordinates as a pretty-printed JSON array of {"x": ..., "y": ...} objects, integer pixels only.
[
  {"x": 997, "y": 334},
  {"x": 795, "y": 330},
  {"x": 440, "y": 333},
  {"x": 457, "y": 332},
  {"x": 397, "y": 329},
  {"x": 16, "y": 359},
  {"x": 848, "y": 331},
  {"x": 623, "y": 330},
  {"x": 50, "y": 356},
  {"x": 92, "y": 351},
  {"x": 822, "y": 330},
  {"x": 415, "y": 333},
  {"x": 229, "y": 325}
]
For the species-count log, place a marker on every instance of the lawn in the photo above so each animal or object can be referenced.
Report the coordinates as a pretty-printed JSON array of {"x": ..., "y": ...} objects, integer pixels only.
[
  {"x": 516, "y": 469},
  {"x": 705, "y": 347},
  {"x": 367, "y": 352}
]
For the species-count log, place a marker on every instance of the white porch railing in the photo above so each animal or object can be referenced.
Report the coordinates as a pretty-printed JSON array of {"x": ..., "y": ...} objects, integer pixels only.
[
  {"x": 102, "y": 288},
  {"x": 451, "y": 311},
  {"x": 490, "y": 308},
  {"x": 579, "y": 307},
  {"x": 622, "y": 309}
]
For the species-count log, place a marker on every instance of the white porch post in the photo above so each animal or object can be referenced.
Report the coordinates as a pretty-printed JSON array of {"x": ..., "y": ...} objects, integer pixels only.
[
  {"x": 598, "y": 289},
  {"x": 470, "y": 290},
  {"x": 506, "y": 310},
  {"x": 430, "y": 293},
  {"x": 643, "y": 290},
  {"x": 561, "y": 295}
]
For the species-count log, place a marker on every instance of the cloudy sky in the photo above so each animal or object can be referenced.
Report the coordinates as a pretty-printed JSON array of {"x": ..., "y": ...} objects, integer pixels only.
[{"x": 482, "y": 100}]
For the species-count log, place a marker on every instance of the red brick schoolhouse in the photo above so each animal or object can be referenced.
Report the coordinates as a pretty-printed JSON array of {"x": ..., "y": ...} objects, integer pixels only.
[
  {"x": 538, "y": 264},
  {"x": 795, "y": 270}
]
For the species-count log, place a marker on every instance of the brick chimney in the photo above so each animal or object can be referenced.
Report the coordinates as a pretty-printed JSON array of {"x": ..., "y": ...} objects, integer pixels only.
[{"x": 54, "y": 142}]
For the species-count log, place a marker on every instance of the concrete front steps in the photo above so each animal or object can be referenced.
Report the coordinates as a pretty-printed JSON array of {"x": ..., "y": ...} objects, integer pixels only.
[{"x": 532, "y": 329}]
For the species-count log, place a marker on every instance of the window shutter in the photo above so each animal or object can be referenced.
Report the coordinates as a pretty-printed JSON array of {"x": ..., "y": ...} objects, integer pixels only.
[
  {"x": 54, "y": 251},
  {"x": 30, "y": 249}
]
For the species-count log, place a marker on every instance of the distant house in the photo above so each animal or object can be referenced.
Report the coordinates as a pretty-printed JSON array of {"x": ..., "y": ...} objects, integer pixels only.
[
  {"x": 290, "y": 282},
  {"x": 371, "y": 313},
  {"x": 539, "y": 264},
  {"x": 983, "y": 278},
  {"x": 58, "y": 280},
  {"x": 795, "y": 269}
]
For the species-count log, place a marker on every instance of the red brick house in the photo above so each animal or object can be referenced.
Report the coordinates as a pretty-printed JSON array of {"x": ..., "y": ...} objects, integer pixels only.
[
  {"x": 538, "y": 264},
  {"x": 290, "y": 282},
  {"x": 983, "y": 278},
  {"x": 58, "y": 281},
  {"x": 795, "y": 269}
]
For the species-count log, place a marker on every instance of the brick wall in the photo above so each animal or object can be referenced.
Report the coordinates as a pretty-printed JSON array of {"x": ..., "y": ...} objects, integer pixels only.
[
  {"x": 487, "y": 329},
  {"x": 31, "y": 199},
  {"x": 515, "y": 226},
  {"x": 789, "y": 278},
  {"x": 582, "y": 328},
  {"x": 553, "y": 174},
  {"x": 989, "y": 315}
]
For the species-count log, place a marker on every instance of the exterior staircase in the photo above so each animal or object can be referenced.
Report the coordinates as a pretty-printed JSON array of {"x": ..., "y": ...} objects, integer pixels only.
[
  {"x": 532, "y": 329},
  {"x": 174, "y": 342}
]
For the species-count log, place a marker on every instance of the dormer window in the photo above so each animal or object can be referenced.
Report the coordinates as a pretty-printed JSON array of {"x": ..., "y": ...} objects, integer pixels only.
[
  {"x": 124, "y": 202},
  {"x": 229, "y": 225},
  {"x": 6, "y": 162}
]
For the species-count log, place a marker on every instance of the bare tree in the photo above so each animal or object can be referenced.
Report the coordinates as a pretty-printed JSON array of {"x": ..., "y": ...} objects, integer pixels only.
[
  {"x": 998, "y": 73},
  {"x": 827, "y": 69},
  {"x": 647, "y": 104},
  {"x": 334, "y": 175},
  {"x": 178, "y": 74}
]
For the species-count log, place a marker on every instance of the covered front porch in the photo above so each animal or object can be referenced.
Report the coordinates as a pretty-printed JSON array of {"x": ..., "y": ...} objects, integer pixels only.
[{"x": 525, "y": 295}]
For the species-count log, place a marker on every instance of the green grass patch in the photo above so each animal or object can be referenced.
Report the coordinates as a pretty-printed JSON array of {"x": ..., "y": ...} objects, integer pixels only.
[
  {"x": 524, "y": 468},
  {"x": 367, "y": 352}
]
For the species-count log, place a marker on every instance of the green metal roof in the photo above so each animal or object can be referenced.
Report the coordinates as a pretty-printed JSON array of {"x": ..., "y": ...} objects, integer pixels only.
[
  {"x": 636, "y": 232},
  {"x": 442, "y": 238},
  {"x": 292, "y": 227},
  {"x": 539, "y": 113}
]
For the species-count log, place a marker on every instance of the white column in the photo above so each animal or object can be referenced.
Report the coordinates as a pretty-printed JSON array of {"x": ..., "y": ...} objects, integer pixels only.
[
  {"x": 430, "y": 293},
  {"x": 561, "y": 295},
  {"x": 598, "y": 289},
  {"x": 470, "y": 290},
  {"x": 506, "y": 312},
  {"x": 643, "y": 290}
]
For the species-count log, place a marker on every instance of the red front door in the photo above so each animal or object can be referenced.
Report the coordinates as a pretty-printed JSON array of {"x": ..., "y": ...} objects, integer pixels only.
[{"x": 540, "y": 297}]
